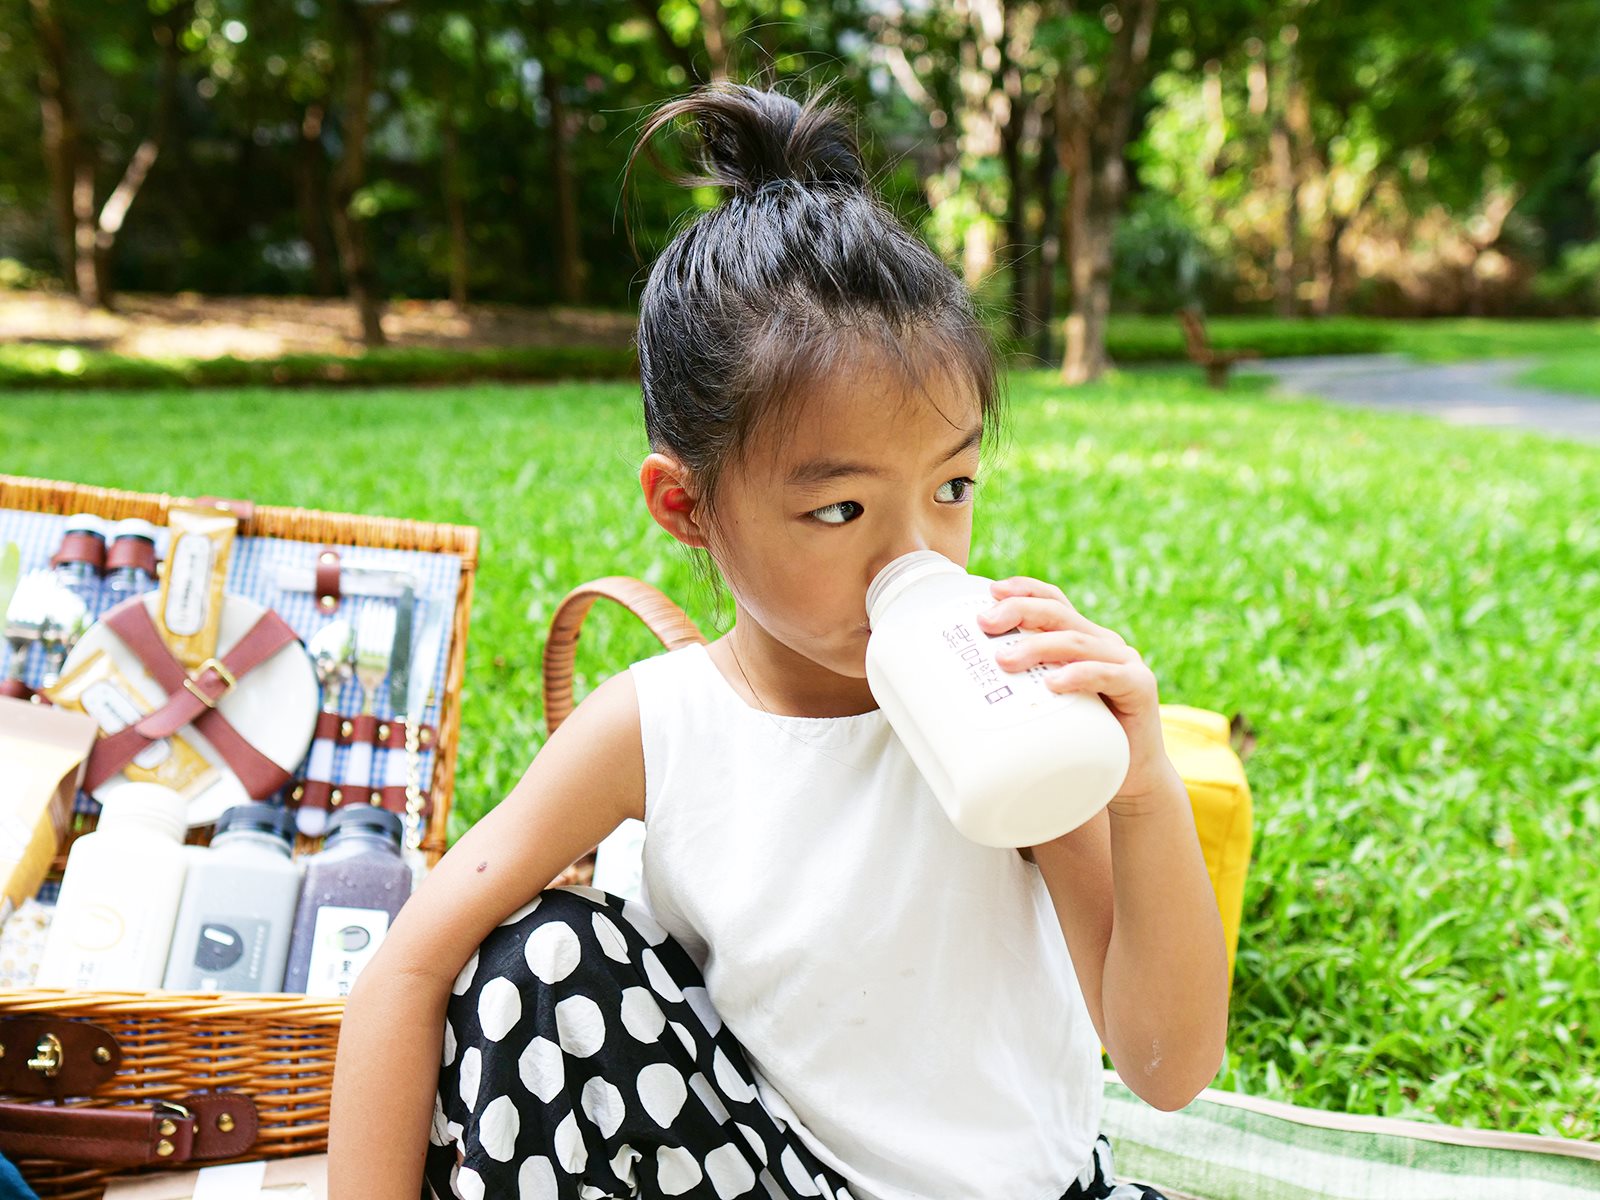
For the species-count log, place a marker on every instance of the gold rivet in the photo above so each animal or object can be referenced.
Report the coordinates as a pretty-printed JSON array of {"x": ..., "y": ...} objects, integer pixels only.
[
  {"x": 327, "y": 603},
  {"x": 102, "y": 1055},
  {"x": 164, "y": 1149},
  {"x": 225, "y": 1123},
  {"x": 427, "y": 736},
  {"x": 167, "y": 1129},
  {"x": 299, "y": 790},
  {"x": 224, "y": 506},
  {"x": 346, "y": 729},
  {"x": 383, "y": 733},
  {"x": 335, "y": 797},
  {"x": 329, "y": 556},
  {"x": 2, "y": 1050}
]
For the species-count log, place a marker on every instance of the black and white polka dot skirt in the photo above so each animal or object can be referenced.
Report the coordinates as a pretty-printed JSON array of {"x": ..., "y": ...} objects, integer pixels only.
[{"x": 583, "y": 1061}]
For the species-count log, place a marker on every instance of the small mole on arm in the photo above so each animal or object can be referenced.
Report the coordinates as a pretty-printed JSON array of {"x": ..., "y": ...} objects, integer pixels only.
[{"x": 482, "y": 865}]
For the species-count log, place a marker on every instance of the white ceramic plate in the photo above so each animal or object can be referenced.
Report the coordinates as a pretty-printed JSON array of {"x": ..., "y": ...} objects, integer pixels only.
[{"x": 274, "y": 707}]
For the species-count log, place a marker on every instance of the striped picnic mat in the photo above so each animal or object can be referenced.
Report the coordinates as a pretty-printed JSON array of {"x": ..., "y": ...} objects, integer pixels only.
[{"x": 1230, "y": 1147}]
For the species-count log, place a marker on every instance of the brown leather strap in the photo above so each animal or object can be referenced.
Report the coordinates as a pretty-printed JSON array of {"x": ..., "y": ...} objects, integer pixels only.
[
  {"x": 390, "y": 734},
  {"x": 314, "y": 793},
  {"x": 198, "y": 1127},
  {"x": 51, "y": 1057},
  {"x": 79, "y": 546},
  {"x": 190, "y": 699},
  {"x": 15, "y": 688},
  {"x": 328, "y": 580},
  {"x": 244, "y": 510},
  {"x": 393, "y": 798}
]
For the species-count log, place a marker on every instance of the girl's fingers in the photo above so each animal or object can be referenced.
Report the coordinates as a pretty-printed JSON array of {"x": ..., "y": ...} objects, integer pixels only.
[
  {"x": 1064, "y": 646},
  {"x": 1128, "y": 685},
  {"x": 1038, "y": 612}
]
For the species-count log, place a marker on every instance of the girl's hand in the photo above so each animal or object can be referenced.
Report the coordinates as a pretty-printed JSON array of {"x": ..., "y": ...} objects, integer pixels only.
[{"x": 1094, "y": 659}]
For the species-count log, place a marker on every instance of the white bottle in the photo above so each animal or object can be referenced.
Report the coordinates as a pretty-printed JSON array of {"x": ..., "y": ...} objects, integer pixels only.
[
  {"x": 119, "y": 898},
  {"x": 1012, "y": 762},
  {"x": 238, "y": 905}
]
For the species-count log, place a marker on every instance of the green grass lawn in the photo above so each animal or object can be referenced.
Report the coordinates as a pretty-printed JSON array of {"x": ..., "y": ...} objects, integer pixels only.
[
  {"x": 1408, "y": 613},
  {"x": 1577, "y": 372}
]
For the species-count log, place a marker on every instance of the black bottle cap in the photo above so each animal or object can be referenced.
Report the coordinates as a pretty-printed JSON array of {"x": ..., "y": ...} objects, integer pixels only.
[
  {"x": 272, "y": 819},
  {"x": 364, "y": 818}
]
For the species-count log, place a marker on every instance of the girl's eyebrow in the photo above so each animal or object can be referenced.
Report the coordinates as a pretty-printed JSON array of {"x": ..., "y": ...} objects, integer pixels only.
[{"x": 826, "y": 470}]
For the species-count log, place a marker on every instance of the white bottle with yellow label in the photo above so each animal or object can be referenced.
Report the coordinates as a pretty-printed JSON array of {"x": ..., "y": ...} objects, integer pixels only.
[
  {"x": 1011, "y": 761},
  {"x": 119, "y": 898}
]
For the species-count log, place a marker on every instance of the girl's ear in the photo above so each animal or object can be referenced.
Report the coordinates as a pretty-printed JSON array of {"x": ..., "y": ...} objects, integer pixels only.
[{"x": 666, "y": 494}]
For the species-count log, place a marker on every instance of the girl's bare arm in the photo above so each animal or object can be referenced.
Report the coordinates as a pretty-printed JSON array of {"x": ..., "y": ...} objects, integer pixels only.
[{"x": 587, "y": 778}]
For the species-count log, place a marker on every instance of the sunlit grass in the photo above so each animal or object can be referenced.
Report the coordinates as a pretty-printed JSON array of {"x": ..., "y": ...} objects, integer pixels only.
[
  {"x": 1408, "y": 613},
  {"x": 1577, "y": 372}
]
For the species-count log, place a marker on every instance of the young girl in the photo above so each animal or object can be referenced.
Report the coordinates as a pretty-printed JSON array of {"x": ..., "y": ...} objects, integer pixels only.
[{"x": 828, "y": 990}]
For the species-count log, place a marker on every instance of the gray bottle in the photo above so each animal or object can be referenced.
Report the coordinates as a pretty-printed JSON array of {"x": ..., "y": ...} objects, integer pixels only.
[
  {"x": 238, "y": 905},
  {"x": 353, "y": 890}
]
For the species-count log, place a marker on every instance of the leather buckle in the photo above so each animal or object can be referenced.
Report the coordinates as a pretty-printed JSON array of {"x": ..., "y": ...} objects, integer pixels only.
[{"x": 211, "y": 664}]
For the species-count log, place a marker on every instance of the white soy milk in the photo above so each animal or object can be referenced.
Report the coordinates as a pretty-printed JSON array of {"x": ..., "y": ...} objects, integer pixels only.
[{"x": 1012, "y": 762}]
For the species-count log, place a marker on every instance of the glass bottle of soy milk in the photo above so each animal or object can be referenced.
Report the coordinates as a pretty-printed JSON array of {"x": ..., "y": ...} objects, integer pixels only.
[{"x": 1012, "y": 762}]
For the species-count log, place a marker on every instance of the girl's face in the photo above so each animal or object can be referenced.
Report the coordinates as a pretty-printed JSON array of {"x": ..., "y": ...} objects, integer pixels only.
[{"x": 874, "y": 469}]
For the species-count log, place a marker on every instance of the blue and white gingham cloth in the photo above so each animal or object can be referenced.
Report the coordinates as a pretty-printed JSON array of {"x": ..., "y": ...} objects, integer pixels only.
[{"x": 253, "y": 572}]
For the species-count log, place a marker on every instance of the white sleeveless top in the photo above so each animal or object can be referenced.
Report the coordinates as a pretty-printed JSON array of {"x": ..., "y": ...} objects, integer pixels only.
[{"x": 904, "y": 995}]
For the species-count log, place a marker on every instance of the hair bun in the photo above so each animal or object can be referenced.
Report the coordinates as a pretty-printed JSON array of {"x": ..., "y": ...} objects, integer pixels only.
[{"x": 750, "y": 138}]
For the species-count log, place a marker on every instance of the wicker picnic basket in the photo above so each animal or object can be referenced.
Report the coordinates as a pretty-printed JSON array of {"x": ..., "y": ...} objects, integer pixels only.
[{"x": 254, "y": 1072}]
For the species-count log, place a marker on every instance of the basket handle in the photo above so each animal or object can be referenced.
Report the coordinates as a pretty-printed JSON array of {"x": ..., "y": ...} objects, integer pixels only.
[
  {"x": 197, "y": 1128},
  {"x": 664, "y": 618}
]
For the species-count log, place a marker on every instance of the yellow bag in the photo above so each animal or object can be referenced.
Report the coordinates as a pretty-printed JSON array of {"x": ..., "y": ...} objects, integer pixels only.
[{"x": 1197, "y": 743}]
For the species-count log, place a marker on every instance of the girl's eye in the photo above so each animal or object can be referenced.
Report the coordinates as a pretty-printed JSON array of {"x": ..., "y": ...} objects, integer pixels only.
[{"x": 826, "y": 516}]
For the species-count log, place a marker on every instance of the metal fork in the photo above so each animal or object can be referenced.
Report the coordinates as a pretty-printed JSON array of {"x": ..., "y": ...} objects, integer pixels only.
[{"x": 374, "y": 641}]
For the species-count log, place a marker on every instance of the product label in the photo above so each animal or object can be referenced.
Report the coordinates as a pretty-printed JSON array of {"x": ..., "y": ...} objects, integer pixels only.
[
  {"x": 343, "y": 942},
  {"x": 189, "y": 577},
  {"x": 115, "y": 711},
  {"x": 228, "y": 955},
  {"x": 997, "y": 696}
]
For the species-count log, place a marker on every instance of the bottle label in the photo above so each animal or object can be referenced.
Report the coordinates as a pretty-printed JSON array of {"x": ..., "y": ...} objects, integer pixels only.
[
  {"x": 229, "y": 955},
  {"x": 996, "y": 696},
  {"x": 343, "y": 942}
]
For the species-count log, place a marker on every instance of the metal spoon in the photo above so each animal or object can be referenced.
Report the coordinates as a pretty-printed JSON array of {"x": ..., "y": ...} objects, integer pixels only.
[
  {"x": 67, "y": 617},
  {"x": 27, "y": 619},
  {"x": 332, "y": 648}
]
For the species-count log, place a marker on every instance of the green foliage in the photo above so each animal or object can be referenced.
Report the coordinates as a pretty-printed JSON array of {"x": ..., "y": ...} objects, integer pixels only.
[
  {"x": 1574, "y": 372},
  {"x": 1413, "y": 647},
  {"x": 51, "y": 367}
]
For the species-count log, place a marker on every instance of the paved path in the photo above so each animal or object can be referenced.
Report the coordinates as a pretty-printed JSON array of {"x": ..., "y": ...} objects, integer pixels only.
[{"x": 1465, "y": 393}]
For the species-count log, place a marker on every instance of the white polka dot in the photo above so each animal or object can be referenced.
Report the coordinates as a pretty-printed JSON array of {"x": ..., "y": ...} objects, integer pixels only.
[
  {"x": 438, "y": 1131},
  {"x": 700, "y": 1000},
  {"x": 499, "y": 1008},
  {"x": 610, "y": 938},
  {"x": 466, "y": 1183},
  {"x": 581, "y": 889},
  {"x": 686, "y": 1038},
  {"x": 541, "y": 1069},
  {"x": 622, "y": 1166},
  {"x": 641, "y": 1015},
  {"x": 701, "y": 1087},
  {"x": 552, "y": 952},
  {"x": 464, "y": 976},
  {"x": 588, "y": 1191},
  {"x": 729, "y": 1079},
  {"x": 662, "y": 1093},
  {"x": 536, "y": 1180},
  {"x": 729, "y": 1173},
  {"x": 640, "y": 918},
  {"x": 449, "y": 1045},
  {"x": 471, "y": 1068},
  {"x": 676, "y": 1170},
  {"x": 796, "y": 1174},
  {"x": 571, "y": 1153},
  {"x": 658, "y": 977},
  {"x": 824, "y": 1189},
  {"x": 580, "y": 1026},
  {"x": 521, "y": 912},
  {"x": 775, "y": 1191},
  {"x": 497, "y": 1129},
  {"x": 754, "y": 1138},
  {"x": 603, "y": 1104}
]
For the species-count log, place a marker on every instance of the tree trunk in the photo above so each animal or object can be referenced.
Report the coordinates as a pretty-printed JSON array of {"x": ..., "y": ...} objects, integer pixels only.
[
  {"x": 59, "y": 129},
  {"x": 1285, "y": 180},
  {"x": 1011, "y": 131},
  {"x": 454, "y": 202},
  {"x": 1049, "y": 240},
  {"x": 350, "y": 175},
  {"x": 570, "y": 269},
  {"x": 714, "y": 22},
  {"x": 1092, "y": 125},
  {"x": 308, "y": 189}
]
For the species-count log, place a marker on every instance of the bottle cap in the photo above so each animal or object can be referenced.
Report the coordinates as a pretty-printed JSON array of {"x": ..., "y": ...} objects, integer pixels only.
[
  {"x": 364, "y": 818},
  {"x": 271, "y": 819},
  {"x": 86, "y": 523},
  {"x": 901, "y": 574},
  {"x": 133, "y": 544},
  {"x": 148, "y": 806}
]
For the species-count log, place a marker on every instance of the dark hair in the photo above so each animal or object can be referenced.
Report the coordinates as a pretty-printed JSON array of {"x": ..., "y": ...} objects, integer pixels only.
[{"x": 798, "y": 269}]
